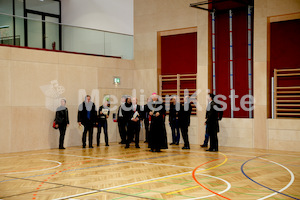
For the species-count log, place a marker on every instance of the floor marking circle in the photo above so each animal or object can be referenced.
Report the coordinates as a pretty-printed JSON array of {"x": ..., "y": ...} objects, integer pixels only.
[
  {"x": 275, "y": 192},
  {"x": 59, "y": 164}
]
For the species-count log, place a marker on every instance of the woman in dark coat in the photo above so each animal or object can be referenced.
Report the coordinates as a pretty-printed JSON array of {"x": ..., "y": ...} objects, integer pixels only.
[{"x": 62, "y": 121}]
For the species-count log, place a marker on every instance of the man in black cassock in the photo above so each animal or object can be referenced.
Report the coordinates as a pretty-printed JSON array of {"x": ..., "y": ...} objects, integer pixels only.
[{"x": 157, "y": 112}]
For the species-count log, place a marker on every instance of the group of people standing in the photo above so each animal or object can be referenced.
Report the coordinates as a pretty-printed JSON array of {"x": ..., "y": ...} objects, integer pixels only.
[
  {"x": 154, "y": 114},
  {"x": 88, "y": 117},
  {"x": 129, "y": 117}
]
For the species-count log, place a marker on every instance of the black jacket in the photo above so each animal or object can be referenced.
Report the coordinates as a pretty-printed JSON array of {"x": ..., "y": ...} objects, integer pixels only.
[
  {"x": 213, "y": 116},
  {"x": 62, "y": 116},
  {"x": 173, "y": 113},
  {"x": 103, "y": 116},
  {"x": 121, "y": 110},
  {"x": 185, "y": 115},
  {"x": 82, "y": 114},
  {"x": 131, "y": 113}
]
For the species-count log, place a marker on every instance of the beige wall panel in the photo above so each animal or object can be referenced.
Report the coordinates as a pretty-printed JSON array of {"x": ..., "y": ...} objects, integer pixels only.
[
  {"x": 239, "y": 123},
  {"x": 5, "y": 82},
  {"x": 279, "y": 7},
  {"x": 31, "y": 129},
  {"x": 26, "y": 80},
  {"x": 77, "y": 59},
  {"x": 202, "y": 84},
  {"x": 287, "y": 140},
  {"x": 5, "y": 53},
  {"x": 260, "y": 83},
  {"x": 144, "y": 8},
  {"x": 94, "y": 61},
  {"x": 170, "y": 14},
  {"x": 122, "y": 64},
  {"x": 145, "y": 24},
  {"x": 37, "y": 56},
  {"x": 105, "y": 78},
  {"x": 284, "y": 124},
  {"x": 260, "y": 127},
  {"x": 260, "y": 40},
  {"x": 74, "y": 78},
  {"x": 145, "y": 51},
  {"x": 145, "y": 80},
  {"x": 5, "y": 133},
  {"x": 235, "y": 137},
  {"x": 202, "y": 43}
]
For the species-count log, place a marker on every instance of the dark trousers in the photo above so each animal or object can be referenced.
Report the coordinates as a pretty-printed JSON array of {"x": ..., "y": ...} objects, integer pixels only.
[
  {"x": 206, "y": 137},
  {"x": 146, "y": 122},
  {"x": 133, "y": 131},
  {"x": 213, "y": 136},
  {"x": 88, "y": 128},
  {"x": 102, "y": 123},
  {"x": 62, "y": 131},
  {"x": 122, "y": 129},
  {"x": 175, "y": 131},
  {"x": 185, "y": 136}
]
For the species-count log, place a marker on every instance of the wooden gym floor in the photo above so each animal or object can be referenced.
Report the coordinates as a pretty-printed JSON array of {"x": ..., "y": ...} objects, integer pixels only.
[{"x": 114, "y": 173}]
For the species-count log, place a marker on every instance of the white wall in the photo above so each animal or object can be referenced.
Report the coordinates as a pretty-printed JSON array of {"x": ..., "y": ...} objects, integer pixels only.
[{"x": 108, "y": 15}]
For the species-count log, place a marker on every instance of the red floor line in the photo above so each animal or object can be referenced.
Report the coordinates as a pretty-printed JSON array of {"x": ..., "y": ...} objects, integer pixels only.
[{"x": 194, "y": 177}]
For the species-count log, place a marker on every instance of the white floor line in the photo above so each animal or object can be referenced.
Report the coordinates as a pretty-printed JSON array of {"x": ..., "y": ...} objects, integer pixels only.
[
  {"x": 115, "y": 159},
  {"x": 120, "y": 186},
  {"x": 22, "y": 155},
  {"x": 75, "y": 155},
  {"x": 153, "y": 163},
  {"x": 227, "y": 183},
  {"x": 284, "y": 188},
  {"x": 59, "y": 164}
]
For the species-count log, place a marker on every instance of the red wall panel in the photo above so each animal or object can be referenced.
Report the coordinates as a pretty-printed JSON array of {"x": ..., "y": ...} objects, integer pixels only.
[
  {"x": 240, "y": 58},
  {"x": 285, "y": 49},
  {"x": 179, "y": 56},
  {"x": 222, "y": 58}
]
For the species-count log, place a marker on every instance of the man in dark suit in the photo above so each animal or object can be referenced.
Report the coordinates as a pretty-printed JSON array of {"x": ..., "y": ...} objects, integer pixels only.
[
  {"x": 213, "y": 115},
  {"x": 122, "y": 121},
  {"x": 102, "y": 122},
  {"x": 174, "y": 120},
  {"x": 134, "y": 124},
  {"x": 62, "y": 121},
  {"x": 87, "y": 116},
  {"x": 184, "y": 121}
]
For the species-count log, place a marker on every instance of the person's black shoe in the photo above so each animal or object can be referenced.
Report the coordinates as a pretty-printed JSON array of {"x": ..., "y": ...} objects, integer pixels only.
[
  {"x": 126, "y": 147},
  {"x": 214, "y": 150},
  {"x": 98, "y": 145},
  {"x": 157, "y": 150},
  {"x": 83, "y": 147},
  {"x": 208, "y": 150},
  {"x": 177, "y": 143},
  {"x": 172, "y": 143},
  {"x": 137, "y": 147},
  {"x": 186, "y": 148},
  {"x": 203, "y": 145},
  {"x": 62, "y": 148},
  {"x": 107, "y": 145},
  {"x": 91, "y": 147}
]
